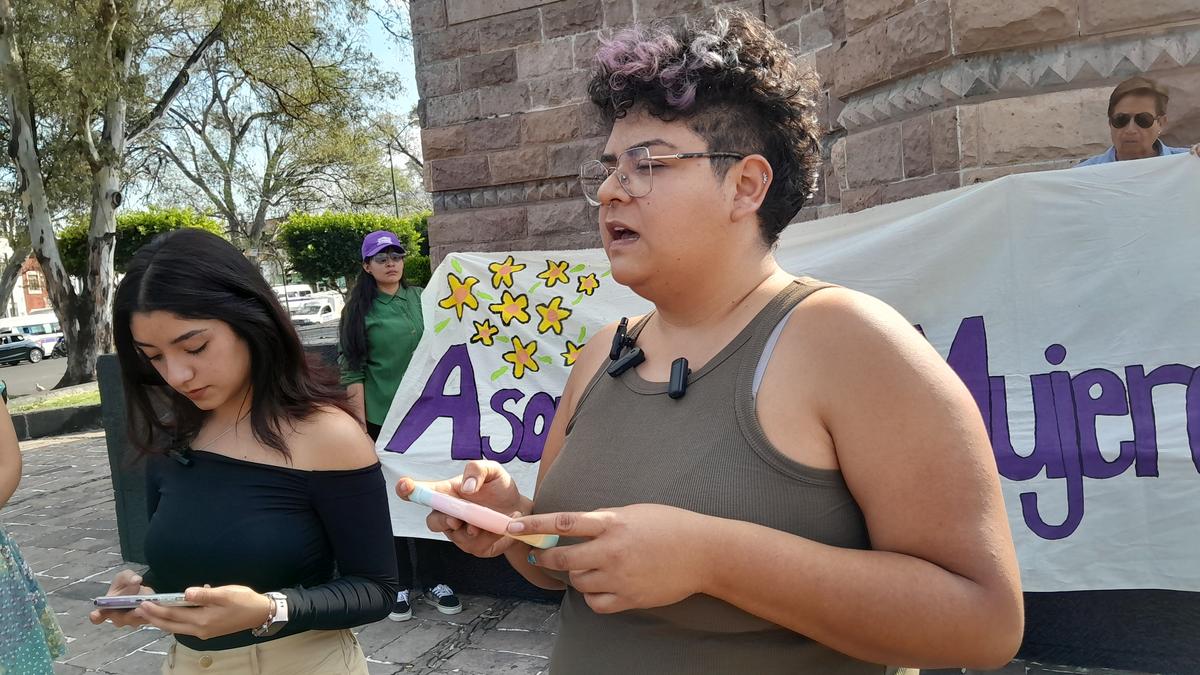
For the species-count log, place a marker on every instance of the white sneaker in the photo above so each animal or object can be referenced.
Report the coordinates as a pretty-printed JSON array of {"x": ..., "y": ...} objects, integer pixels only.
[{"x": 402, "y": 610}]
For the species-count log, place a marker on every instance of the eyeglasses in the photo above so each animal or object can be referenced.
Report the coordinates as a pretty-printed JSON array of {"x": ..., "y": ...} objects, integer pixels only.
[
  {"x": 385, "y": 257},
  {"x": 1144, "y": 120},
  {"x": 634, "y": 170}
]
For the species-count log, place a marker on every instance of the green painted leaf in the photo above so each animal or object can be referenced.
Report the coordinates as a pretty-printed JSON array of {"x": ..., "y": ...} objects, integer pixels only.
[
  {"x": 578, "y": 268},
  {"x": 609, "y": 272},
  {"x": 582, "y": 333},
  {"x": 496, "y": 375},
  {"x": 457, "y": 267},
  {"x": 441, "y": 326},
  {"x": 503, "y": 338},
  {"x": 578, "y": 299},
  {"x": 535, "y": 287},
  {"x": 545, "y": 359},
  {"x": 483, "y": 296}
]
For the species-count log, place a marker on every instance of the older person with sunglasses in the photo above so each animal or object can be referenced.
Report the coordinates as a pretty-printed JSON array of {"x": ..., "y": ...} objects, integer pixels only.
[{"x": 1137, "y": 116}]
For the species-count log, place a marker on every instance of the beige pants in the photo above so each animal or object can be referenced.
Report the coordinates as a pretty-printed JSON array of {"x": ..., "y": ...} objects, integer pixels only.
[{"x": 314, "y": 652}]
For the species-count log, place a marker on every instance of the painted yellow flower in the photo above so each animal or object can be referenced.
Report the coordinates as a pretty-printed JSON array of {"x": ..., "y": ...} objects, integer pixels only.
[
  {"x": 510, "y": 308},
  {"x": 522, "y": 357},
  {"x": 460, "y": 295},
  {"x": 552, "y": 316},
  {"x": 571, "y": 354},
  {"x": 556, "y": 272},
  {"x": 502, "y": 272},
  {"x": 485, "y": 332},
  {"x": 588, "y": 284}
]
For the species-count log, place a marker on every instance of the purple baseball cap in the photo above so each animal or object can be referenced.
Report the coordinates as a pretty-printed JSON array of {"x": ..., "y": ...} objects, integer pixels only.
[{"x": 377, "y": 241}]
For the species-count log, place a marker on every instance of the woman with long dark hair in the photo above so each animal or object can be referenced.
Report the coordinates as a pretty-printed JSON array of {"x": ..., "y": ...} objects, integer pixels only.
[
  {"x": 268, "y": 505},
  {"x": 379, "y": 332}
]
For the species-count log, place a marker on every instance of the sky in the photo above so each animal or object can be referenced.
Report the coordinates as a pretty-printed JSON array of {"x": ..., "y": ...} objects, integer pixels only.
[{"x": 395, "y": 58}]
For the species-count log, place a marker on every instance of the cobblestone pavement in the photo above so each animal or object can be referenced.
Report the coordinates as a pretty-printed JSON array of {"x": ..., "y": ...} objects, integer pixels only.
[{"x": 63, "y": 518}]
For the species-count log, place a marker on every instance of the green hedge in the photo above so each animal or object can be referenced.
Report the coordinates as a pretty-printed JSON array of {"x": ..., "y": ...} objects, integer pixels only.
[
  {"x": 134, "y": 230},
  {"x": 327, "y": 247}
]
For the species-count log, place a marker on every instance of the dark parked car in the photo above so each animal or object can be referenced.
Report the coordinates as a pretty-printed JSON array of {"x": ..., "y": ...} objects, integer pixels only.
[{"x": 14, "y": 347}]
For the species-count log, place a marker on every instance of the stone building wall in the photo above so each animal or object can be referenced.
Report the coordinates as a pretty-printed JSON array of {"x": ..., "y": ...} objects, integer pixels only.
[
  {"x": 919, "y": 96},
  {"x": 933, "y": 94}
]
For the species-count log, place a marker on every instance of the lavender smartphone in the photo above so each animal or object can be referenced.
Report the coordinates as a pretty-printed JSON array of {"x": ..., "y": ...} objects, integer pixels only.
[{"x": 132, "y": 601}]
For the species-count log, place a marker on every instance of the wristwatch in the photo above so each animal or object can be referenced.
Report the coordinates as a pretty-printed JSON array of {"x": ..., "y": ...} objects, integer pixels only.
[{"x": 278, "y": 618}]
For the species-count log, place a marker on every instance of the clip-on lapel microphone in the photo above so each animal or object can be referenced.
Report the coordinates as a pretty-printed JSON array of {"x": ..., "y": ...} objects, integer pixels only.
[{"x": 676, "y": 387}]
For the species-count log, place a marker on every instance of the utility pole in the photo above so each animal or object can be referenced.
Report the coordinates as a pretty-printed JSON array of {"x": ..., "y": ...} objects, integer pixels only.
[{"x": 392, "y": 167}]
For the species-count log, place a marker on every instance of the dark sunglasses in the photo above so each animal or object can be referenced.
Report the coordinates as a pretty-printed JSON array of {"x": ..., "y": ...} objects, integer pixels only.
[
  {"x": 1144, "y": 120},
  {"x": 384, "y": 258}
]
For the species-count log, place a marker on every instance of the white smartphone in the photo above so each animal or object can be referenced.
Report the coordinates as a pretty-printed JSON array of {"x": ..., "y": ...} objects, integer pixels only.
[{"x": 133, "y": 601}]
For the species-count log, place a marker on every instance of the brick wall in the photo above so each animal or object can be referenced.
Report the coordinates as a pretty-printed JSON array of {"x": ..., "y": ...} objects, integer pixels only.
[{"x": 919, "y": 96}]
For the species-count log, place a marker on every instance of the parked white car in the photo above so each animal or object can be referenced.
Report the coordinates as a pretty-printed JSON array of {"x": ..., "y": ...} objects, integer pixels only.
[
  {"x": 318, "y": 308},
  {"x": 290, "y": 293}
]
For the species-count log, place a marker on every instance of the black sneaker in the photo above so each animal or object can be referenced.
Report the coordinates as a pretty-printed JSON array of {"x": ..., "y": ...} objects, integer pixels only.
[
  {"x": 444, "y": 599},
  {"x": 401, "y": 611}
]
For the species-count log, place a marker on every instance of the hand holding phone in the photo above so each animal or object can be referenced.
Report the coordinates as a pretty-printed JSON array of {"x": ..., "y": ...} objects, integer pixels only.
[
  {"x": 125, "y": 583},
  {"x": 135, "y": 601},
  {"x": 479, "y": 516}
]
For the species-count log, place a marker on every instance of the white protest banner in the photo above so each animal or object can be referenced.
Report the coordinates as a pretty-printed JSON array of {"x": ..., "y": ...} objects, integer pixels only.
[{"x": 1068, "y": 301}]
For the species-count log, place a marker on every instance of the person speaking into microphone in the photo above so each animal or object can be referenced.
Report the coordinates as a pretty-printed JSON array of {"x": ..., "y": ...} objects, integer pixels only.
[{"x": 765, "y": 473}]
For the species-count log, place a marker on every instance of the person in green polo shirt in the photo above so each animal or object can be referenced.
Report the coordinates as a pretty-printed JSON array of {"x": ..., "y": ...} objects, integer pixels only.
[{"x": 380, "y": 329}]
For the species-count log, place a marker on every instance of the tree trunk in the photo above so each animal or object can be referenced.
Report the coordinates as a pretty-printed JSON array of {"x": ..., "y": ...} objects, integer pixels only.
[
  {"x": 12, "y": 270},
  {"x": 32, "y": 186},
  {"x": 94, "y": 307}
]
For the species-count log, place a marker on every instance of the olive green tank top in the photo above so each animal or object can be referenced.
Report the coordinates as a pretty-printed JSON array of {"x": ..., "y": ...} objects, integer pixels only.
[{"x": 629, "y": 443}]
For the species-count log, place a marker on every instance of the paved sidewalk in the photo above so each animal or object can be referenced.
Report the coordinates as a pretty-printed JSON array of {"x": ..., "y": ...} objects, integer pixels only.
[{"x": 63, "y": 518}]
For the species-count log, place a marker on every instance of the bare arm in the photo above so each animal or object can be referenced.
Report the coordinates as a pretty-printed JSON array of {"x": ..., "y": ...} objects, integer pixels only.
[
  {"x": 10, "y": 457},
  {"x": 941, "y": 587}
]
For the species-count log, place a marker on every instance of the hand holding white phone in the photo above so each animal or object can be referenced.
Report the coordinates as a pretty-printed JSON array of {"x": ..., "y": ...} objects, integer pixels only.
[{"x": 135, "y": 601}]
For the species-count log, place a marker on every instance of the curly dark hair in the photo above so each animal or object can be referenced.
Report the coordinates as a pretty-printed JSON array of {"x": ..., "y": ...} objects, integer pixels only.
[{"x": 735, "y": 85}]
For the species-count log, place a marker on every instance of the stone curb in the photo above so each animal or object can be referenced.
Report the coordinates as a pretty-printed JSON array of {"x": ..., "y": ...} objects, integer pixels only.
[{"x": 57, "y": 421}]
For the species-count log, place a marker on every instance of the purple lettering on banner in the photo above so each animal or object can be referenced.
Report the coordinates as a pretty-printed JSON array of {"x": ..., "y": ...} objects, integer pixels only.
[
  {"x": 1072, "y": 470},
  {"x": 498, "y": 400},
  {"x": 968, "y": 358},
  {"x": 1193, "y": 417},
  {"x": 1046, "y": 453},
  {"x": 434, "y": 403},
  {"x": 1141, "y": 407},
  {"x": 540, "y": 408},
  {"x": 1064, "y": 423},
  {"x": 1111, "y": 402}
]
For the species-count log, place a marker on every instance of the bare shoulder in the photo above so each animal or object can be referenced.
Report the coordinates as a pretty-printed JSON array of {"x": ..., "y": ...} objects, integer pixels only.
[
  {"x": 838, "y": 322},
  {"x": 856, "y": 360},
  {"x": 852, "y": 310},
  {"x": 331, "y": 440}
]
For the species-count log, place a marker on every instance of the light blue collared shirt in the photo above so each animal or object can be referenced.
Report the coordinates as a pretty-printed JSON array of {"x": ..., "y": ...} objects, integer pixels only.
[{"x": 1111, "y": 155}]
